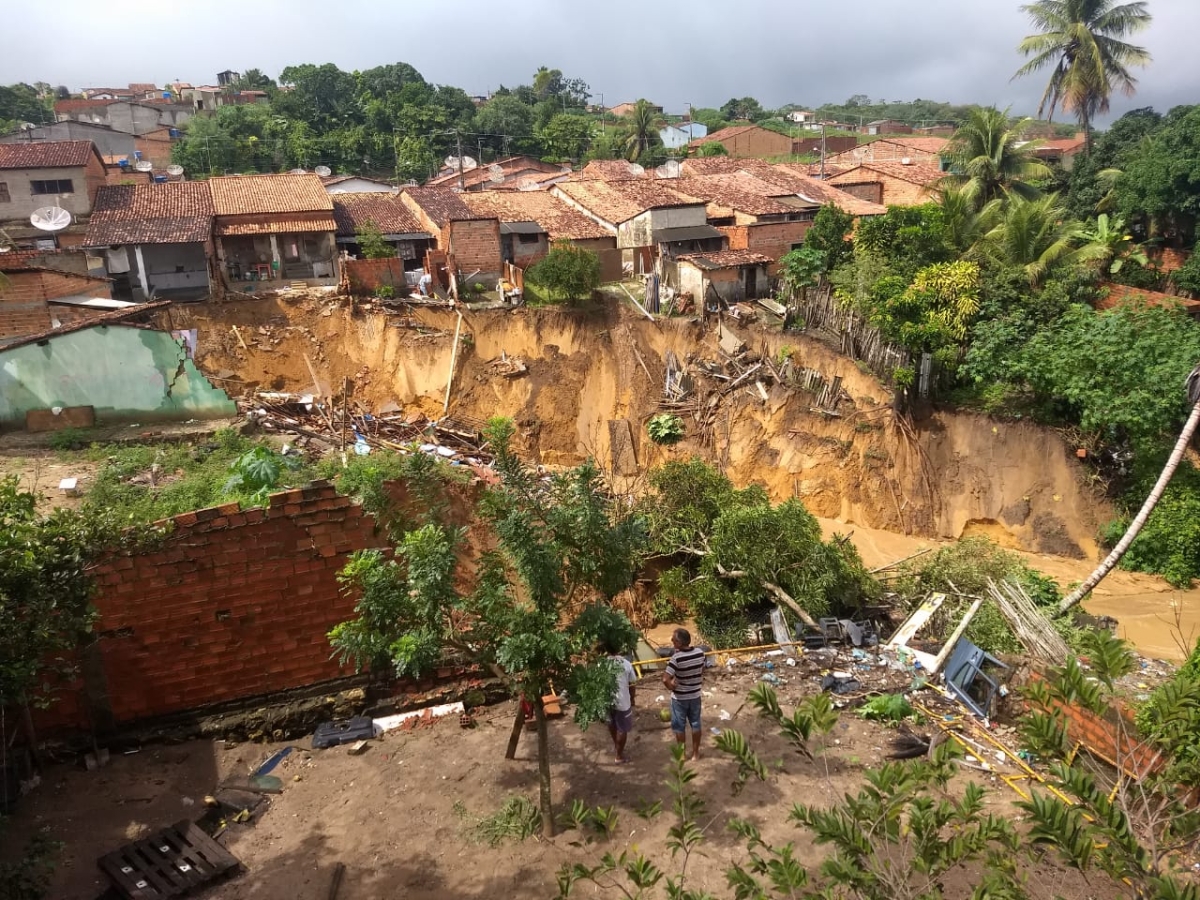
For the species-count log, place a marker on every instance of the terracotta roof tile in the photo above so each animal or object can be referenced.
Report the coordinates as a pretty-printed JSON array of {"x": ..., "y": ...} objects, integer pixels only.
[
  {"x": 46, "y": 155},
  {"x": 66, "y": 107},
  {"x": 441, "y": 204},
  {"x": 916, "y": 173},
  {"x": 727, "y": 259},
  {"x": 1122, "y": 294},
  {"x": 608, "y": 170},
  {"x": 1169, "y": 259},
  {"x": 278, "y": 223},
  {"x": 352, "y": 211},
  {"x": 725, "y": 133},
  {"x": 796, "y": 180},
  {"x": 237, "y": 195},
  {"x": 179, "y": 212},
  {"x": 721, "y": 165},
  {"x": 620, "y": 201},
  {"x": 559, "y": 220},
  {"x": 740, "y": 191}
]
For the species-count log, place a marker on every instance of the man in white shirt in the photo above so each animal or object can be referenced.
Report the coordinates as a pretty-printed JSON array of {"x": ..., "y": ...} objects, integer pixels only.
[{"x": 620, "y": 714}]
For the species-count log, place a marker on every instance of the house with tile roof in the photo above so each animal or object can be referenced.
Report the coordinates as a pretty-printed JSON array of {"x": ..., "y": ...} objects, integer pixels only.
[
  {"x": 274, "y": 228},
  {"x": 507, "y": 174},
  {"x": 530, "y": 221},
  {"x": 129, "y": 116},
  {"x": 748, "y": 140},
  {"x": 386, "y": 211},
  {"x": 471, "y": 238},
  {"x": 891, "y": 183},
  {"x": 731, "y": 275},
  {"x": 157, "y": 240},
  {"x": 649, "y": 217},
  {"x": 33, "y": 175},
  {"x": 356, "y": 184},
  {"x": 894, "y": 148},
  {"x": 35, "y": 298},
  {"x": 1060, "y": 151}
]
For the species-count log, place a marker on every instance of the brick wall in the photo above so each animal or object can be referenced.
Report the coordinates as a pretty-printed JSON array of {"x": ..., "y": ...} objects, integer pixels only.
[
  {"x": 23, "y": 308},
  {"x": 476, "y": 245},
  {"x": 233, "y": 604},
  {"x": 835, "y": 144},
  {"x": 368, "y": 275},
  {"x": 95, "y": 177}
]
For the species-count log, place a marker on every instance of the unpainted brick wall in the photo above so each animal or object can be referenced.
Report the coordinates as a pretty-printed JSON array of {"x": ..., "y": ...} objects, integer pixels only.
[
  {"x": 476, "y": 245},
  {"x": 368, "y": 275},
  {"x": 233, "y": 604},
  {"x": 1113, "y": 741}
]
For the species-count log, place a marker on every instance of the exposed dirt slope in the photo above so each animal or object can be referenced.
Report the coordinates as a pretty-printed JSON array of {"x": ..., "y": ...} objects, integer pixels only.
[{"x": 591, "y": 373}]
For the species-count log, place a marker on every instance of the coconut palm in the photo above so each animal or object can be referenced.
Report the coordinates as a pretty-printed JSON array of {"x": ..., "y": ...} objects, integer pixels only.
[
  {"x": 988, "y": 159},
  {"x": 1192, "y": 386},
  {"x": 643, "y": 130},
  {"x": 1036, "y": 235},
  {"x": 1082, "y": 42},
  {"x": 963, "y": 220}
]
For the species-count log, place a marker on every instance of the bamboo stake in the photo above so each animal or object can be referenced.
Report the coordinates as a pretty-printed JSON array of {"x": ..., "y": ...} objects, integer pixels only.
[{"x": 453, "y": 359}]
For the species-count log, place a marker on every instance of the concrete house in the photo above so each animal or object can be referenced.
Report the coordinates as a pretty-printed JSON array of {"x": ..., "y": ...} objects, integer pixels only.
[
  {"x": 157, "y": 239},
  {"x": 784, "y": 178},
  {"x": 129, "y": 116},
  {"x": 387, "y": 212},
  {"x": 108, "y": 141},
  {"x": 801, "y": 116},
  {"x": 681, "y": 134},
  {"x": 753, "y": 214},
  {"x": 887, "y": 126},
  {"x": 507, "y": 174},
  {"x": 627, "y": 108},
  {"x": 35, "y": 298},
  {"x": 1060, "y": 151},
  {"x": 274, "y": 228},
  {"x": 66, "y": 174},
  {"x": 108, "y": 368},
  {"x": 748, "y": 140},
  {"x": 733, "y": 275},
  {"x": 891, "y": 183},
  {"x": 649, "y": 217},
  {"x": 471, "y": 238},
  {"x": 530, "y": 221},
  {"x": 356, "y": 184}
]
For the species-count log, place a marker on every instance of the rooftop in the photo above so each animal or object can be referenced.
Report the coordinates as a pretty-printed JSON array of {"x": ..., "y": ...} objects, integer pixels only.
[
  {"x": 796, "y": 180},
  {"x": 46, "y": 155},
  {"x": 740, "y": 191},
  {"x": 441, "y": 204},
  {"x": 917, "y": 173},
  {"x": 608, "y": 170},
  {"x": 238, "y": 195},
  {"x": 731, "y": 131},
  {"x": 177, "y": 212},
  {"x": 623, "y": 200},
  {"x": 559, "y": 220},
  {"x": 727, "y": 259},
  {"x": 352, "y": 211},
  {"x": 116, "y": 317},
  {"x": 1123, "y": 294}
]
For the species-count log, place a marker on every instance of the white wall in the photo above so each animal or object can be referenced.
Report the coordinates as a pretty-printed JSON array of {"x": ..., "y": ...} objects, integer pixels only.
[{"x": 22, "y": 201}]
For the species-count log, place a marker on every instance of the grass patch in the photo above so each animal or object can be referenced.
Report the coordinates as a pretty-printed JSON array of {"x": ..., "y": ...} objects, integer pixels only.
[{"x": 519, "y": 818}]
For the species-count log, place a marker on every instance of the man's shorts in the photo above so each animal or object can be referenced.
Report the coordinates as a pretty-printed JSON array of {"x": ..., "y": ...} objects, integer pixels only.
[
  {"x": 622, "y": 721},
  {"x": 685, "y": 712}
]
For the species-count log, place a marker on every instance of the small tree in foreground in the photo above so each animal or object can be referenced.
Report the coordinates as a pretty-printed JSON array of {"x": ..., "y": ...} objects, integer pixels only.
[
  {"x": 533, "y": 613},
  {"x": 569, "y": 273},
  {"x": 371, "y": 242}
]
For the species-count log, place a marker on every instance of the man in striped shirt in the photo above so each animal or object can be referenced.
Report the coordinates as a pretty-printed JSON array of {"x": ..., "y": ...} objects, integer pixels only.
[{"x": 685, "y": 677}]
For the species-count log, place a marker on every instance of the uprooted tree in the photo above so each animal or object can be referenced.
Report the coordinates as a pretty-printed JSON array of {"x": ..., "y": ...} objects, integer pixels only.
[
  {"x": 732, "y": 551},
  {"x": 537, "y": 609}
]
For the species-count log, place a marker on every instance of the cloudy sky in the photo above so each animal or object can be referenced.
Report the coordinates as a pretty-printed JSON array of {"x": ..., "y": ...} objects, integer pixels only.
[{"x": 703, "y": 52}]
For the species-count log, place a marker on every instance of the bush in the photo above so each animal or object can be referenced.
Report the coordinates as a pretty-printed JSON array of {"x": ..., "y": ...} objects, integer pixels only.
[
  {"x": 1169, "y": 544},
  {"x": 665, "y": 429},
  {"x": 386, "y": 292},
  {"x": 568, "y": 273}
]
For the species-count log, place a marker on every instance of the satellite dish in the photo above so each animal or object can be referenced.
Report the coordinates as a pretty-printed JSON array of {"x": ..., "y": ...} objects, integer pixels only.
[
  {"x": 906, "y": 161},
  {"x": 496, "y": 175},
  {"x": 323, "y": 171},
  {"x": 495, "y": 169},
  {"x": 566, "y": 170},
  {"x": 528, "y": 183},
  {"x": 666, "y": 170},
  {"x": 174, "y": 171},
  {"x": 298, "y": 172},
  {"x": 50, "y": 218},
  {"x": 468, "y": 162},
  {"x": 143, "y": 165},
  {"x": 636, "y": 170}
]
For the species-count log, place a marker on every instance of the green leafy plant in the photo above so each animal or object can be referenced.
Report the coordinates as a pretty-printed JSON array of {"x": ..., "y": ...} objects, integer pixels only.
[
  {"x": 568, "y": 272},
  {"x": 385, "y": 292},
  {"x": 371, "y": 242},
  {"x": 890, "y": 709},
  {"x": 257, "y": 471},
  {"x": 68, "y": 439},
  {"x": 519, "y": 818},
  {"x": 665, "y": 429}
]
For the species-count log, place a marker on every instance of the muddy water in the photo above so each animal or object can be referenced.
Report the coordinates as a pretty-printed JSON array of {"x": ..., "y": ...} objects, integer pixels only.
[{"x": 1157, "y": 619}]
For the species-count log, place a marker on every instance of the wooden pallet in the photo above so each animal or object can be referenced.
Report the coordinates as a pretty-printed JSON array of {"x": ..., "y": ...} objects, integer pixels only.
[{"x": 170, "y": 862}]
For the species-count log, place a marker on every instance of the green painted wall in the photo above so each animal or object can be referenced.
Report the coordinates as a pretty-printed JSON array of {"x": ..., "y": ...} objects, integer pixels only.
[{"x": 126, "y": 373}]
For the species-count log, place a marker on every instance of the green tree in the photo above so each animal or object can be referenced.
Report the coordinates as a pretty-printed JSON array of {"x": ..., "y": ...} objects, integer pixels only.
[
  {"x": 830, "y": 234},
  {"x": 733, "y": 551},
  {"x": 255, "y": 80},
  {"x": 1090, "y": 187},
  {"x": 1161, "y": 178},
  {"x": 322, "y": 96},
  {"x": 1107, "y": 245},
  {"x": 508, "y": 122},
  {"x": 710, "y": 118},
  {"x": 988, "y": 161},
  {"x": 644, "y": 123},
  {"x": 19, "y": 103},
  {"x": 415, "y": 159},
  {"x": 801, "y": 268},
  {"x": 1035, "y": 235},
  {"x": 744, "y": 108},
  {"x": 371, "y": 242},
  {"x": 712, "y": 148},
  {"x": 908, "y": 238},
  {"x": 535, "y": 611},
  {"x": 566, "y": 136},
  {"x": 547, "y": 82},
  {"x": 934, "y": 312},
  {"x": 568, "y": 272},
  {"x": 1082, "y": 43}
]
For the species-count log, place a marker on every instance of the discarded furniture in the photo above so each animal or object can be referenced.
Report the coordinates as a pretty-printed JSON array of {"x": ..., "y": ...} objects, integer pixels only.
[
  {"x": 972, "y": 675},
  {"x": 170, "y": 862}
]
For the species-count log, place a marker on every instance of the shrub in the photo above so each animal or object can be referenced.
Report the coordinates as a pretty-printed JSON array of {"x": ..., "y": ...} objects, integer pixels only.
[
  {"x": 386, "y": 292},
  {"x": 567, "y": 273},
  {"x": 665, "y": 429}
]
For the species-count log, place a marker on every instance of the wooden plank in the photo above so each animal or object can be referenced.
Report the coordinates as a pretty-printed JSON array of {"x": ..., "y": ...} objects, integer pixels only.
[{"x": 170, "y": 862}]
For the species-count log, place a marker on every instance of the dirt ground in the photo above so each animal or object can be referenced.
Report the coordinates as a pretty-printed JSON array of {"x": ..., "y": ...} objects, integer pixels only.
[{"x": 401, "y": 817}]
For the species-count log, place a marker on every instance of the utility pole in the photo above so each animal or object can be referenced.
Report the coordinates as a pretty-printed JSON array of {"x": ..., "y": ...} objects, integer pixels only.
[
  {"x": 822, "y": 151},
  {"x": 462, "y": 183}
]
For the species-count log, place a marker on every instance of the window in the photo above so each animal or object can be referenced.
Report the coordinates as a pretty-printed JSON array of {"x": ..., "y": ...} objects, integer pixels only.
[
  {"x": 61, "y": 186},
  {"x": 4, "y": 197},
  {"x": 528, "y": 238}
]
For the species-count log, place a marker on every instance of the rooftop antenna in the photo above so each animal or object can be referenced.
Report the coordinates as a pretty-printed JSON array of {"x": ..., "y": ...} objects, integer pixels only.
[
  {"x": 323, "y": 171},
  {"x": 143, "y": 165},
  {"x": 174, "y": 170},
  {"x": 50, "y": 218}
]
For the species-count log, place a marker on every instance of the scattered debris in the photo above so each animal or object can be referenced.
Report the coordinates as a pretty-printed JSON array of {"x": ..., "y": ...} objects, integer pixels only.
[
  {"x": 416, "y": 716},
  {"x": 358, "y": 748},
  {"x": 170, "y": 862},
  {"x": 343, "y": 731}
]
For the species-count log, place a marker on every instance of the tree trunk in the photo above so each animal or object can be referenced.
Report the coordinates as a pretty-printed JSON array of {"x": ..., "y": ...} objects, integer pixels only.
[
  {"x": 795, "y": 607},
  {"x": 515, "y": 738},
  {"x": 543, "y": 734},
  {"x": 1110, "y": 562}
]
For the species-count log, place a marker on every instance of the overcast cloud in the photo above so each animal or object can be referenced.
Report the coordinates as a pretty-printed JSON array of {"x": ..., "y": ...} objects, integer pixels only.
[{"x": 672, "y": 53}]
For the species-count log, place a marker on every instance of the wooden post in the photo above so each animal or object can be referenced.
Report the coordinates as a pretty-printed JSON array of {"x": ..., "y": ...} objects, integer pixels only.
[
  {"x": 345, "y": 395},
  {"x": 453, "y": 359}
]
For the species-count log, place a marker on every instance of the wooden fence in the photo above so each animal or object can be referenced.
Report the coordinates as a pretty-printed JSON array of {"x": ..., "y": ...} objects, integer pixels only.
[{"x": 859, "y": 340}]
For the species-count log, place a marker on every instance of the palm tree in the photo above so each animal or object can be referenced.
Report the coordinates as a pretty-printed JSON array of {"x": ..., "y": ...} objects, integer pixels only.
[
  {"x": 988, "y": 160},
  {"x": 1036, "y": 235},
  {"x": 1082, "y": 42},
  {"x": 643, "y": 130},
  {"x": 963, "y": 220},
  {"x": 1108, "y": 246},
  {"x": 1192, "y": 386}
]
